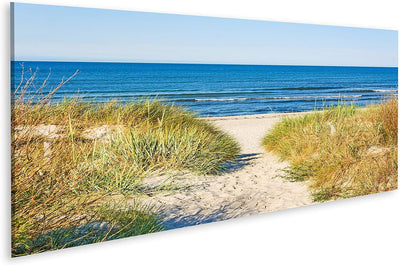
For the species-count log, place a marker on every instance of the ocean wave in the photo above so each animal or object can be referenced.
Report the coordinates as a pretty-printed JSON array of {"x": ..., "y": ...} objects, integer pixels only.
[
  {"x": 385, "y": 90},
  {"x": 262, "y": 98},
  {"x": 110, "y": 93},
  {"x": 222, "y": 99},
  {"x": 310, "y": 87}
]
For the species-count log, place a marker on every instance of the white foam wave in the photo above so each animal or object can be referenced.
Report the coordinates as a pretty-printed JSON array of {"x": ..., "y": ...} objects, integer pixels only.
[
  {"x": 288, "y": 97},
  {"x": 385, "y": 90},
  {"x": 222, "y": 99}
]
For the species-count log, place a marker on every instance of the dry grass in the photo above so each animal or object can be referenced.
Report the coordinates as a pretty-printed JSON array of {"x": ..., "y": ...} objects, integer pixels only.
[
  {"x": 68, "y": 157},
  {"x": 344, "y": 151}
]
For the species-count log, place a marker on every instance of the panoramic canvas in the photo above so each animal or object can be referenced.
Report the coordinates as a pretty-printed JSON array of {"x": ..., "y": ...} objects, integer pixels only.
[{"x": 127, "y": 123}]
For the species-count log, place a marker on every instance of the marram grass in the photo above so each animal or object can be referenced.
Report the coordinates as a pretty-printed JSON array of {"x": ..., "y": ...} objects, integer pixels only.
[
  {"x": 343, "y": 151},
  {"x": 69, "y": 157}
]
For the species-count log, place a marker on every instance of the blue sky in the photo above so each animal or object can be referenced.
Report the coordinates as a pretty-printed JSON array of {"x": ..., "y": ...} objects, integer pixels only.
[{"x": 55, "y": 33}]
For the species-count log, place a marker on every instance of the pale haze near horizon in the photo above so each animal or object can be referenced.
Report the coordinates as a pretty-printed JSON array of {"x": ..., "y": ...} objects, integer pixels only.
[{"x": 57, "y": 33}]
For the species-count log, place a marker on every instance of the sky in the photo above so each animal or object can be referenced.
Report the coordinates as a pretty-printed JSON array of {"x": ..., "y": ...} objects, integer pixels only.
[{"x": 56, "y": 33}]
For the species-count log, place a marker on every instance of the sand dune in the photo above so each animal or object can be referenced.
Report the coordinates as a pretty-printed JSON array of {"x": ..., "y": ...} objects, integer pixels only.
[{"x": 249, "y": 186}]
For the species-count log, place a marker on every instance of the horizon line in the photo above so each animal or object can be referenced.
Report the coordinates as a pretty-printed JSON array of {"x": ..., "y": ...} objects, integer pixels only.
[{"x": 201, "y": 63}]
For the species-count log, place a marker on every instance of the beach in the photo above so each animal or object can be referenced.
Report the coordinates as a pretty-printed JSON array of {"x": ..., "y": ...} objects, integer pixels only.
[
  {"x": 148, "y": 166},
  {"x": 251, "y": 185},
  {"x": 142, "y": 165}
]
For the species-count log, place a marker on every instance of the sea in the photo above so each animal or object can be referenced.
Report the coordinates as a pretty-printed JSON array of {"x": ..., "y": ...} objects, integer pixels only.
[{"x": 213, "y": 89}]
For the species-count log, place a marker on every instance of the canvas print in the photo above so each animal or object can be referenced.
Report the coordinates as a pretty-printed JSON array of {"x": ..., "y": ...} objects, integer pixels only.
[{"x": 126, "y": 123}]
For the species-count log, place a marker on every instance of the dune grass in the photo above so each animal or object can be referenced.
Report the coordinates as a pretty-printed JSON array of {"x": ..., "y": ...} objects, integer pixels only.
[
  {"x": 68, "y": 158},
  {"x": 108, "y": 222},
  {"x": 344, "y": 151}
]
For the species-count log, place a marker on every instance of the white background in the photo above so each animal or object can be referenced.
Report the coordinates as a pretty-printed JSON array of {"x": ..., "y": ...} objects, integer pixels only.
[{"x": 355, "y": 231}]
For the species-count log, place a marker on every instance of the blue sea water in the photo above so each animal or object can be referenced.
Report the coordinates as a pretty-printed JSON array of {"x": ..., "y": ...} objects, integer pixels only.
[{"x": 217, "y": 90}]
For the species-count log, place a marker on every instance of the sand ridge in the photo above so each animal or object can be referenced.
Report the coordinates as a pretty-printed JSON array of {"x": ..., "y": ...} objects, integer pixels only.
[{"x": 251, "y": 185}]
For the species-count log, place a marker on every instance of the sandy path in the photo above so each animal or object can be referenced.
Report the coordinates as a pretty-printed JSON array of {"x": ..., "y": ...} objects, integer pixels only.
[{"x": 250, "y": 187}]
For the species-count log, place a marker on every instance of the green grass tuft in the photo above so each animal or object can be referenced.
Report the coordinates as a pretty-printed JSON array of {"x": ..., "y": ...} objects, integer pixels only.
[{"x": 344, "y": 151}]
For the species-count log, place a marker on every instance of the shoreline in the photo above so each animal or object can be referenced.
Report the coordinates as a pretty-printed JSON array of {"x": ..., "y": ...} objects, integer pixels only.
[
  {"x": 272, "y": 115},
  {"x": 258, "y": 116}
]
